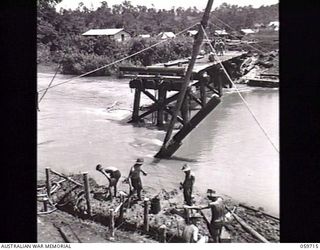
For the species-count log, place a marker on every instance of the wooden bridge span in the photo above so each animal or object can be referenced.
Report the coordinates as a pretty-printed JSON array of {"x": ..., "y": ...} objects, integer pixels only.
[
  {"x": 207, "y": 79},
  {"x": 194, "y": 82}
]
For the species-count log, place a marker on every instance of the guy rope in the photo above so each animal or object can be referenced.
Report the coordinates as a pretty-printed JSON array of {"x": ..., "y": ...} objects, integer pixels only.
[
  {"x": 115, "y": 62},
  {"x": 244, "y": 101}
]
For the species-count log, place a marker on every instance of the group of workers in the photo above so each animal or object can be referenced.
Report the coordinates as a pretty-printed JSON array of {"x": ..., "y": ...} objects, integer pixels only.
[
  {"x": 191, "y": 231},
  {"x": 134, "y": 180},
  {"x": 220, "y": 47}
]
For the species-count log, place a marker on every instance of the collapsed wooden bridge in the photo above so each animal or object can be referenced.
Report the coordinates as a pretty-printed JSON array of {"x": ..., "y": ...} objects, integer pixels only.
[
  {"x": 203, "y": 91},
  {"x": 206, "y": 79},
  {"x": 202, "y": 82}
]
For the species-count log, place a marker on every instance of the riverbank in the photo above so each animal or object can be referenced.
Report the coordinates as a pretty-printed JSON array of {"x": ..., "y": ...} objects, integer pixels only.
[
  {"x": 260, "y": 70},
  {"x": 47, "y": 68},
  {"x": 95, "y": 227},
  {"x": 251, "y": 66}
]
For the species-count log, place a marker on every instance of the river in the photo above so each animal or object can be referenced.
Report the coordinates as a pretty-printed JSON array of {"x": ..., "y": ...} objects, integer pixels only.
[{"x": 229, "y": 151}]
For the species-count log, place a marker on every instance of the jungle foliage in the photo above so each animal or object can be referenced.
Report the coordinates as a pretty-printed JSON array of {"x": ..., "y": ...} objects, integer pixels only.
[{"x": 59, "y": 32}]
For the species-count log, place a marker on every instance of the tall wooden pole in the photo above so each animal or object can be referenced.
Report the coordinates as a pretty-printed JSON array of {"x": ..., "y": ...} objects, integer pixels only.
[
  {"x": 195, "y": 52},
  {"x": 146, "y": 212},
  {"x": 163, "y": 233},
  {"x": 48, "y": 182},
  {"x": 185, "y": 109},
  {"x": 87, "y": 191},
  {"x": 111, "y": 225}
]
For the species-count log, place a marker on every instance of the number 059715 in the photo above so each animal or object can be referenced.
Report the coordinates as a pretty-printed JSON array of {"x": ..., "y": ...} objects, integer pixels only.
[{"x": 309, "y": 245}]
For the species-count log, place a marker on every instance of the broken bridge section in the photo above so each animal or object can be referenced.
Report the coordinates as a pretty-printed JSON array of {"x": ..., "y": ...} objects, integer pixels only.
[{"x": 159, "y": 81}]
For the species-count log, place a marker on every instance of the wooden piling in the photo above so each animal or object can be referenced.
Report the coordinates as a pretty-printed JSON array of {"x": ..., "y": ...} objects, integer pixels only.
[
  {"x": 45, "y": 204},
  {"x": 163, "y": 233},
  {"x": 48, "y": 182},
  {"x": 87, "y": 191},
  {"x": 111, "y": 225},
  {"x": 146, "y": 213},
  {"x": 161, "y": 99},
  {"x": 187, "y": 215},
  {"x": 136, "y": 105}
]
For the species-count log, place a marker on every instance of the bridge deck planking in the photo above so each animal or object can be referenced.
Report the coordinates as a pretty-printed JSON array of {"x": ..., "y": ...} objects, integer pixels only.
[{"x": 203, "y": 63}]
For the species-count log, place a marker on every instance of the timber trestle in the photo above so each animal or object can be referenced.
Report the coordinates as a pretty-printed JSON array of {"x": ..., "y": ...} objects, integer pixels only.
[
  {"x": 165, "y": 80},
  {"x": 200, "y": 83}
]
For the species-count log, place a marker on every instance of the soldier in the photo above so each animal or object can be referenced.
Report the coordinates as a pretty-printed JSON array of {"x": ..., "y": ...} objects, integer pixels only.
[
  {"x": 217, "y": 211},
  {"x": 134, "y": 177},
  {"x": 190, "y": 232},
  {"x": 187, "y": 185},
  {"x": 113, "y": 175},
  {"x": 218, "y": 47},
  {"x": 223, "y": 47}
]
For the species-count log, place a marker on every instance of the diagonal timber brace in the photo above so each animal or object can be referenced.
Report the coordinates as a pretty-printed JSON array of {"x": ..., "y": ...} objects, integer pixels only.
[{"x": 176, "y": 141}]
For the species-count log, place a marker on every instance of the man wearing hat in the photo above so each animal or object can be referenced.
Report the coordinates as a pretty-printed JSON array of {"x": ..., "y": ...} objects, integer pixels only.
[
  {"x": 134, "y": 177},
  {"x": 217, "y": 213},
  {"x": 190, "y": 232},
  {"x": 187, "y": 185},
  {"x": 113, "y": 175}
]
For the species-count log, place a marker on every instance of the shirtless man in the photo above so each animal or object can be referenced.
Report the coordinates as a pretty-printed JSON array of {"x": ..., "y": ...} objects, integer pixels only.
[
  {"x": 113, "y": 175},
  {"x": 217, "y": 210},
  {"x": 134, "y": 177}
]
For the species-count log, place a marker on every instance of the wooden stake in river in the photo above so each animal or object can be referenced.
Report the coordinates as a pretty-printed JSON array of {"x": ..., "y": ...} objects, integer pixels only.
[
  {"x": 195, "y": 51},
  {"x": 146, "y": 212},
  {"x": 48, "y": 182},
  {"x": 87, "y": 191}
]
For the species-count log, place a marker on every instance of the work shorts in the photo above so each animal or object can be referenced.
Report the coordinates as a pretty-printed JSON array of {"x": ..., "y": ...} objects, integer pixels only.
[
  {"x": 136, "y": 183},
  {"x": 115, "y": 178}
]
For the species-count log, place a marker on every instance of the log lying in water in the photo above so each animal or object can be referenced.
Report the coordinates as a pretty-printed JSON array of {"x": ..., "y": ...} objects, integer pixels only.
[
  {"x": 258, "y": 211},
  {"x": 248, "y": 228}
]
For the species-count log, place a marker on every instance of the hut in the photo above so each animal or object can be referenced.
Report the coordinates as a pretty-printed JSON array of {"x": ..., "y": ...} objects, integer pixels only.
[{"x": 119, "y": 35}]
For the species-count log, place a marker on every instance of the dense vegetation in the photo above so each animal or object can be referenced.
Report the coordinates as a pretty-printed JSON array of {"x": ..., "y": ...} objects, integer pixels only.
[{"x": 59, "y": 36}]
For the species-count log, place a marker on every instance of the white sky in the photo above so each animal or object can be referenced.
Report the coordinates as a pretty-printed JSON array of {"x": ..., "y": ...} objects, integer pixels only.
[{"x": 165, "y": 4}]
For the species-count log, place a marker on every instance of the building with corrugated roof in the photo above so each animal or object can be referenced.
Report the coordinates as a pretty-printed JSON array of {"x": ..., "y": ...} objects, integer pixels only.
[
  {"x": 165, "y": 35},
  {"x": 119, "y": 35},
  {"x": 247, "y": 31},
  {"x": 221, "y": 33}
]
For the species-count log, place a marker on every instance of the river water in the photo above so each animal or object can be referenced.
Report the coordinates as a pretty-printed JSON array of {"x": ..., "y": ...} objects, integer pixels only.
[{"x": 228, "y": 152}]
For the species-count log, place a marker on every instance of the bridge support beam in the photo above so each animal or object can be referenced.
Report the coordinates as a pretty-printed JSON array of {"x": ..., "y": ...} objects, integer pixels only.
[
  {"x": 185, "y": 108},
  {"x": 136, "y": 105},
  {"x": 176, "y": 141},
  {"x": 161, "y": 100}
]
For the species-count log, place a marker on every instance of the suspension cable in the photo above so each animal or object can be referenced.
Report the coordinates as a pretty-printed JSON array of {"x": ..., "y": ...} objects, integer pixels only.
[
  {"x": 120, "y": 60},
  {"x": 46, "y": 90},
  {"x": 235, "y": 86}
]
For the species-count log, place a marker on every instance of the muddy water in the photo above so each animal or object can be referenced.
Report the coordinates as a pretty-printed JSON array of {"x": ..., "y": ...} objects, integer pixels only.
[{"x": 78, "y": 127}]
